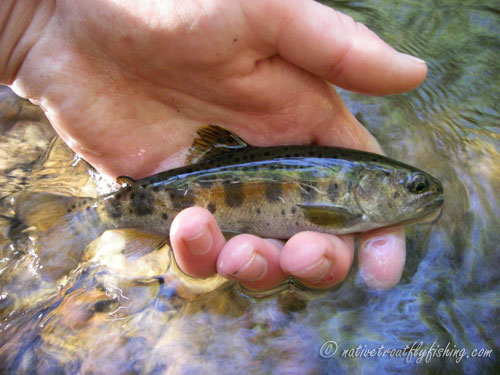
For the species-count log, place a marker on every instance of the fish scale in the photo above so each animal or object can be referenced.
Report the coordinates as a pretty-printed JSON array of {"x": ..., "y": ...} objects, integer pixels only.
[{"x": 270, "y": 191}]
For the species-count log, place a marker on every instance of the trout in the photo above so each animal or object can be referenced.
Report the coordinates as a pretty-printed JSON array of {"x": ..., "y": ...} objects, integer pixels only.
[{"x": 267, "y": 191}]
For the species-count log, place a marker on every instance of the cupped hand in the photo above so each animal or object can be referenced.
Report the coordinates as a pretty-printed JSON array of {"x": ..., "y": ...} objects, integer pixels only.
[{"x": 126, "y": 84}]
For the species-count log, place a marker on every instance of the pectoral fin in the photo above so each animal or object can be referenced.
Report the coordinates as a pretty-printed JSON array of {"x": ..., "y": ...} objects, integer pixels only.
[{"x": 329, "y": 215}]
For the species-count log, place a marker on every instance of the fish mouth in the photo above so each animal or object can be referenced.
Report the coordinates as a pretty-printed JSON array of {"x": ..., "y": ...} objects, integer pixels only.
[
  {"x": 434, "y": 207},
  {"x": 435, "y": 211},
  {"x": 434, "y": 204},
  {"x": 429, "y": 212}
]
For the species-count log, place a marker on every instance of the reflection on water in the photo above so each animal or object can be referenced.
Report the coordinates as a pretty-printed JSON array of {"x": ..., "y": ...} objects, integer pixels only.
[{"x": 129, "y": 311}]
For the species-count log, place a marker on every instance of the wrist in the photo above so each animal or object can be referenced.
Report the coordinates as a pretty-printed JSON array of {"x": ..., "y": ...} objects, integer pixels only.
[{"x": 22, "y": 22}]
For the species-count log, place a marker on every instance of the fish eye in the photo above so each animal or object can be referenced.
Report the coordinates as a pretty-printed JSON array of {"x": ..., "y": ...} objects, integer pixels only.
[{"x": 417, "y": 183}]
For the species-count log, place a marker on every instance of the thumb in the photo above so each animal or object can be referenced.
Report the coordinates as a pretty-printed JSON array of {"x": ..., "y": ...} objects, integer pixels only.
[{"x": 331, "y": 45}]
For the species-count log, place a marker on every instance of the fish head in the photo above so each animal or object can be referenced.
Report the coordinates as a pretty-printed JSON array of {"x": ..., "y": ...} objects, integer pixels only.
[{"x": 398, "y": 194}]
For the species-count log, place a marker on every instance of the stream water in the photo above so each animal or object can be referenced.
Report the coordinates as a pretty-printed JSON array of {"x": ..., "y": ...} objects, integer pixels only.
[{"x": 119, "y": 313}]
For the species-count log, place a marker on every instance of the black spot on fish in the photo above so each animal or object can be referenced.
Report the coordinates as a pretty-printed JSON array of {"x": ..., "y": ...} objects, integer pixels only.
[
  {"x": 258, "y": 211},
  {"x": 211, "y": 207},
  {"x": 233, "y": 195},
  {"x": 181, "y": 198},
  {"x": 333, "y": 191},
  {"x": 68, "y": 210},
  {"x": 294, "y": 209},
  {"x": 274, "y": 191},
  {"x": 164, "y": 216},
  {"x": 282, "y": 212},
  {"x": 308, "y": 191},
  {"x": 143, "y": 202},
  {"x": 115, "y": 210}
]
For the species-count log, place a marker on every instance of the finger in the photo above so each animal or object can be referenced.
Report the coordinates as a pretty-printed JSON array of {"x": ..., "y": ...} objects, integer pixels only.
[
  {"x": 381, "y": 257},
  {"x": 251, "y": 260},
  {"x": 346, "y": 131},
  {"x": 318, "y": 260},
  {"x": 333, "y": 46},
  {"x": 196, "y": 241}
]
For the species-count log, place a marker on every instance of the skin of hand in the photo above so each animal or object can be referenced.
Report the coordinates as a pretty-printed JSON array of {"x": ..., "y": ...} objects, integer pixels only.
[{"x": 127, "y": 83}]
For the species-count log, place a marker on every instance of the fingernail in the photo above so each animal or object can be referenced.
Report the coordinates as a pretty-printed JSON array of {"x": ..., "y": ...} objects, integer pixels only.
[
  {"x": 413, "y": 58},
  {"x": 378, "y": 261},
  {"x": 200, "y": 243},
  {"x": 316, "y": 271},
  {"x": 380, "y": 246},
  {"x": 255, "y": 268}
]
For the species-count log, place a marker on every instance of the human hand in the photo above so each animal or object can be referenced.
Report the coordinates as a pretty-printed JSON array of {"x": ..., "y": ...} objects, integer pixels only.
[{"x": 126, "y": 84}]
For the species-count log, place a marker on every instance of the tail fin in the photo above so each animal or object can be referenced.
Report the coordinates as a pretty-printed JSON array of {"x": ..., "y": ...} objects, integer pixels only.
[
  {"x": 58, "y": 227},
  {"x": 42, "y": 210}
]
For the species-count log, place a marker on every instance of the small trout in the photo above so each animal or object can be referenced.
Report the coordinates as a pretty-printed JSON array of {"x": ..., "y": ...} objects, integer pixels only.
[{"x": 268, "y": 191}]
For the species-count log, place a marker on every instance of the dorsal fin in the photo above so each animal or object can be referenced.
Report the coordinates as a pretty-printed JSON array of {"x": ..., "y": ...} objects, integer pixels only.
[{"x": 213, "y": 140}]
